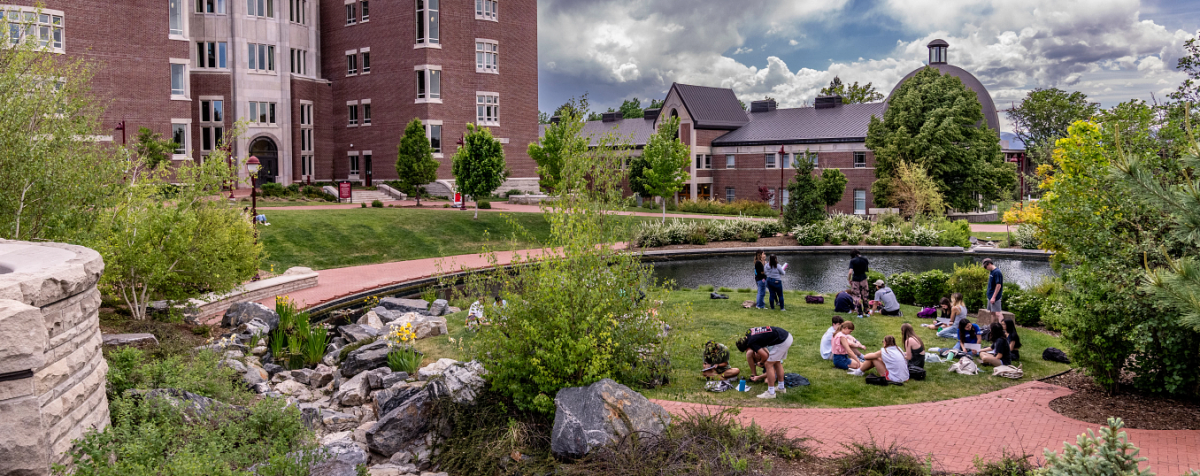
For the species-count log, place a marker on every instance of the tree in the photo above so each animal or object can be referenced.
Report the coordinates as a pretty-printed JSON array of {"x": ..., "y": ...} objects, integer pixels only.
[
  {"x": 55, "y": 177},
  {"x": 853, "y": 94},
  {"x": 1043, "y": 117},
  {"x": 479, "y": 167},
  {"x": 153, "y": 149},
  {"x": 833, "y": 187},
  {"x": 663, "y": 170},
  {"x": 415, "y": 165},
  {"x": 915, "y": 193},
  {"x": 559, "y": 141},
  {"x": 167, "y": 238},
  {"x": 935, "y": 121},
  {"x": 631, "y": 109},
  {"x": 806, "y": 201},
  {"x": 543, "y": 118},
  {"x": 1189, "y": 64},
  {"x": 658, "y": 104},
  {"x": 596, "y": 116}
]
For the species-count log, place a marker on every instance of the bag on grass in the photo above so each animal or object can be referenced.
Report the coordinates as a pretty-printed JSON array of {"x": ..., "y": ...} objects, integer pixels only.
[
  {"x": 1055, "y": 355},
  {"x": 932, "y": 357},
  {"x": 794, "y": 380},
  {"x": 719, "y": 386},
  {"x": 927, "y": 313},
  {"x": 876, "y": 380},
  {"x": 966, "y": 366},
  {"x": 747, "y": 304},
  {"x": 1008, "y": 371},
  {"x": 814, "y": 299},
  {"x": 717, "y": 296},
  {"x": 916, "y": 373}
]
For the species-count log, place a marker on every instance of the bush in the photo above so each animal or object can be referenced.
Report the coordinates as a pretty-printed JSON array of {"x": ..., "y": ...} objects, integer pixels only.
[
  {"x": 954, "y": 233},
  {"x": 931, "y": 287},
  {"x": 873, "y": 276},
  {"x": 1008, "y": 465},
  {"x": 513, "y": 192},
  {"x": 889, "y": 219},
  {"x": 888, "y": 235},
  {"x": 1025, "y": 306},
  {"x": 1109, "y": 454},
  {"x": 970, "y": 280},
  {"x": 904, "y": 285},
  {"x": 272, "y": 189},
  {"x": 925, "y": 236},
  {"x": 674, "y": 232},
  {"x": 376, "y": 204},
  {"x": 748, "y": 236},
  {"x": 869, "y": 459},
  {"x": 697, "y": 237},
  {"x": 739, "y": 207},
  {"x": 131, "y": 368},
  {"x": 1025, "y": 237},
  {"x": 812, "y": 234},
  {"x": 483, "y": 205}
]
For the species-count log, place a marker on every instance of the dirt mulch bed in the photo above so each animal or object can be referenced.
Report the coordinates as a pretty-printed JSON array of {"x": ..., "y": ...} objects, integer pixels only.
[{"x": 1091, "y": 404}]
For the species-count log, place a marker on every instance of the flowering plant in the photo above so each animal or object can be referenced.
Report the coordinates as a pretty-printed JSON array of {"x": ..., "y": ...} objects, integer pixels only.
[{"x": 402, "y": 357}]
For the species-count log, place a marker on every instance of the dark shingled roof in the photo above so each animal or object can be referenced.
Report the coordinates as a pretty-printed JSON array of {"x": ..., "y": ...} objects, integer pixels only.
[
  {"x": 985, "y": 99},
  {"x": 712, "y": 108},
  {"x": 845, "y": 123},
  {"x": 634, "y": 131}
]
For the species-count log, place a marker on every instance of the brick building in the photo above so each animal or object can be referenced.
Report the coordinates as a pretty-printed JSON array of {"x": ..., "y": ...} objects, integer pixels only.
[{"x": 325, "y": 87}]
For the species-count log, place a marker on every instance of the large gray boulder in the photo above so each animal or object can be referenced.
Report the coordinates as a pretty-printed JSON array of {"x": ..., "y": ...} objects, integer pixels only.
[
  {"x": 403, "y": 426},
  {"x": 345, "y": 456},
  {"x": 388, "y": 399},
  {"x": 353, "y": 392},
  {"x": 244, "y": 312},
  {"x": 404, "y": 305},
  {"x": 600, "y": 414},
  {"x": 357, "y": 332},
  {"x": 438, "y": 308},
  {"x": 116, "y": 340},
  {"x": 423, "y": 326},
  {"x": 461, "y": 381},
  {"x": 367, "y": 357}
]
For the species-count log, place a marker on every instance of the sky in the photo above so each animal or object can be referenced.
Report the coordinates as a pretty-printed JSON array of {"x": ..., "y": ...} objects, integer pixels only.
[{"x": 1111, "y": 50}]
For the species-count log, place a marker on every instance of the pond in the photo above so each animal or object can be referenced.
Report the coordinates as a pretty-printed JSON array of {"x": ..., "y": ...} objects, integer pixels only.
[{"x": 826, "y": 272}]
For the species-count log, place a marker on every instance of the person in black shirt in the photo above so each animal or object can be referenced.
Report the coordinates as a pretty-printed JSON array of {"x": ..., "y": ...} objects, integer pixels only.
[
  {"x": 857, "y": 277},
  {"x": 760, "y": 278},
  {"x": 768, "y": 345},
  {"x": 999, "y": 353}
]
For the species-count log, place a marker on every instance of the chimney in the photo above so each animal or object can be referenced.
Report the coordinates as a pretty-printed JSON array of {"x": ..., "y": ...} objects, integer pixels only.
[
  {"x": 651, "y": 114},
  {"x": 611, "y": 117},
  {"x": 765, "y": 105},
  {"x": 828, "y": 102},
  {"x": 555, "y": 119}
]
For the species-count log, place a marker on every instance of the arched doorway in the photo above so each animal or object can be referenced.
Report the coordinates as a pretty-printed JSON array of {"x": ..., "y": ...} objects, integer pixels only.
[{"x": 268, "y": 155}]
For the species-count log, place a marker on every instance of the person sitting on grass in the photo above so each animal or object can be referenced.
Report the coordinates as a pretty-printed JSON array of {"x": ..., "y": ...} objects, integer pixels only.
[
  {"x": 958, "y": 312},
  {"x": 1014, "y": 340},
  {"x": 999, "y": 353},
  {"x": 914, "y": 347},
  {"x": 716, "y": 362},
  {"x": 944, "y": 316},
  {"x": 968, "y": 333},
  {"x": 885, "y": 300},
  {"x": 767, "y": 344},
  {"x": 889, "y": 362},
  {"x": 844, "y": 348},
  {"x": 827, "y": 339},
  {"x": 844, "y": 302}
]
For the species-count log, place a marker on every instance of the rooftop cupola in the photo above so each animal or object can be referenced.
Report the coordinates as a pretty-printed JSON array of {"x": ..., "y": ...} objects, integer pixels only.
[{"x": 937, "y": 51}]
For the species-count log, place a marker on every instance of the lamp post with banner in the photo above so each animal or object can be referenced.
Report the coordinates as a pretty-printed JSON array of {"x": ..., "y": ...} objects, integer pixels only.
[{"x": 252, "y": 166}]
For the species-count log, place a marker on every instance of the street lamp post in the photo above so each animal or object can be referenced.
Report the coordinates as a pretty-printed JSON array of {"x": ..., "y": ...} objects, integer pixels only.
[
  {"x": 252, "y": 166},
  {"x": 779, "y": 194}
]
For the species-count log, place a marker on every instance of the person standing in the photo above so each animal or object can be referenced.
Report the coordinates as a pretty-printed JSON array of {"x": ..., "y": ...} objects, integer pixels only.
[
  {"x": 995, "y": 285},
  {"x": 857, "y": 276},
  {"x": 760, "y": 278},
  {"x": 767, "y": 344},
  {"x": 775, "y": 273}
]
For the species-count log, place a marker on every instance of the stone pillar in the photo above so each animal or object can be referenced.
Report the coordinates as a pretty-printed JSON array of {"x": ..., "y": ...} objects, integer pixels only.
[{"x": 52, "y": 372}]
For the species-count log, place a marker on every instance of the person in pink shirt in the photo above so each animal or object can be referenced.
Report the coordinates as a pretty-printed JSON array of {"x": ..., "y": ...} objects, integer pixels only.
[{"x": 845, "y": 349}]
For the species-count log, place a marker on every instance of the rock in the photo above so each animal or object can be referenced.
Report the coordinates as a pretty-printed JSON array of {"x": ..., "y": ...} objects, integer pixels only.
[
  {"x": 115, "y": 340},
  {"x": 255, "y": 327},
  {"x": 353, "y": 392},
  {"x": 435, "y": 369},
  {"x": 194, "y": 407},
  {"x": 345, "y": 458},
  {"x": 357, "y": 332},
  {"x": 234, "y": 354},
  {"x": 404, "y": 424},
  {"x": 404, "y": 305},
  {"x": 331, "y": 358},
  {"x": 236, "y": 365},
  {"x": 401, "y": 458},
  {"x": 303, "y": 376},
  {"x": 423, "y": 326},
  {"x": 311, "y": 414},
  {"x": 385, "y": 315},
  {"x": 255, "y": 375},
  {"x": 259, "y": 351},
  {"x": 394, "y": 378},
  {"x": 367, "y": 357},
  {"x": 371, "y": 319},
  {"x": 375, "y": 377},
  {"x": 264, "y": 388},
  {"x": 460, "y": 381},
  {"x": 388, "y": 399},
  {"x": 295, "y": 389},
  {"x": 338, "y": 342},
  {"x": 438, "y": 308},
  {"x": 243, "y": 312},
  {"x": 453, "y": 310},
  {"x": 321, "y": 376},
  {"x": 333, "y": 467},
  {"x": 337, "y": 421},
  {"x": 273, "y": 369},
  {"x": 600, "y": 414},
  {"x": 390, "y": 469}
]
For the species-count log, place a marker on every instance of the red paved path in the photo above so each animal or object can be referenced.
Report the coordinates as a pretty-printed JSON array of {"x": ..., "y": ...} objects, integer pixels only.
[{"x": 1018, "y": 418}]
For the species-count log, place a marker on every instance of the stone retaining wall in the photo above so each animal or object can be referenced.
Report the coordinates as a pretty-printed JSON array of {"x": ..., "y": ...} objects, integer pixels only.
[
  {"x": 294, "y": 279},
  {"x": 52, "y": 372}
]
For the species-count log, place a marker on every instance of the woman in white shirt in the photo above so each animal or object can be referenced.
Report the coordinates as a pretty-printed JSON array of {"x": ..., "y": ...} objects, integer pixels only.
[{"x": 889, "y": 361}]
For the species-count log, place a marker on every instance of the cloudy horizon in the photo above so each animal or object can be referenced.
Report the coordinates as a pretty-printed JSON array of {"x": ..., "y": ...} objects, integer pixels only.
[{"x": 1111, "y": 50}]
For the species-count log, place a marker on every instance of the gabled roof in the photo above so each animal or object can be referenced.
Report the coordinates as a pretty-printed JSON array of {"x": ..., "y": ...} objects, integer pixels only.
[
  {"x": 636, "y": 131},
  {"x": 711, "y": 108},
  {"x": 844, "y": 123}
]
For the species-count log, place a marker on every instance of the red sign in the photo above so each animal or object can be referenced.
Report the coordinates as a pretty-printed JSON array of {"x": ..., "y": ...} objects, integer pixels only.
[
  {"x": 344, "y": 190},
  {"x": 458, "y": 201}
]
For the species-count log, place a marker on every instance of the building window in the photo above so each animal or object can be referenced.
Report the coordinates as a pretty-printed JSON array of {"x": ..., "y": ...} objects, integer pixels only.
[
  {"x": 211, "y": 54},
  {"x": 351, "y": 14},
  {"x": 429, "y": 84},
  {"x": 860, "y": 160},
  {"x": 261, "y": 57},
  {"x": 770, "y": 161},
  {"x": 176, "y": 17},
  {"x": 306, "y": 139},
  {"x": 353, "y": 156},
  {"x": 212, "y": 124},
  {"x": 210, "y": 6},
  {"x": 784, "y": 196},
  {"x": 34, "y": 25},
  {"x": 730, "y": 162},
  {"x": 179, "y": 80},
  {"x": 729, "y": 195},
  {"x": 487, "y": 109},
  {"x": 703, "y": 161},
  {"x": 262, "y": 112},
  {"x": 366, "y": 15},
  {"x": 366, "y": 112},
  {"x": 860, "y": 202},
  {"x": 487, "y": 56},
  {"x": 351, "y": 64},
  {"x": 260, "y": 8},
  {"x": 708, "y": 161},
  {"x": 485, "y": 10},
  {"x": 435, "y": 137},
  {"x": 814, "y": 158},
  {"x": 179, "y": 136},
  {"x": 366, "y": 62},
  {"x": 298, "y": 11},
  {"x": 771, "y": 193},
  {"x": 299, "y": 61},
  {"x": 427, "y": 22},
  {"x": 353, "y": 114}
]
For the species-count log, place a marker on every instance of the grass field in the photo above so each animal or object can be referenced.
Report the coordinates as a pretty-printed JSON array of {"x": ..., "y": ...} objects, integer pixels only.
[{"x": 724, "y": 320}]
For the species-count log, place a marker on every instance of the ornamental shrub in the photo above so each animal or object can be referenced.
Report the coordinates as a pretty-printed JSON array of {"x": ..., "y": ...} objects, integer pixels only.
[
  {"x": 1110, "y": 454},
  {"x": 873, "y": 276},
  {"x": 954, "y": 233},
  {"x": 889, "y": 219},
  {"x": 272, "y": 189},
  {"x": 904, "y": 285},
  {"x": 1025, "y": 237},
  {"x": 931, "y": 287},
  {"x": 925, "y": 236},
  {"x": 1026, "y": 307},
  {"x": 812, "y": 234},
  {"x": 970, "y": 280}
]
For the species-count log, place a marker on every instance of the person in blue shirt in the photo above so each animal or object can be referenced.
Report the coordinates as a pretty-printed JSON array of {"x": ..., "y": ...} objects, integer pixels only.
[
  {"x": 995, "y": 286},
  {"x": 844, "y": 302}
]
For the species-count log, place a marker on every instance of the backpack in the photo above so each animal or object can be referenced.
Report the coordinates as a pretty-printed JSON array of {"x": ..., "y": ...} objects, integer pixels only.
[
  {"x": 715, "y": 295},
  {"x": 814, "y": 299},
  {"x": 1055, "y": 355},
  {"x": 794, "y": 380},
  {"x": 916, "y": 373},
  {"x": 876, "y": 380},
  {"x": 965, "y": 366},
  {"x": 927, "y": 313}
]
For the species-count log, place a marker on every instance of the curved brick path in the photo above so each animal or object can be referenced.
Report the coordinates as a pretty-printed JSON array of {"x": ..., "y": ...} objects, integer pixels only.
[{"x": 1018, "y": 418}]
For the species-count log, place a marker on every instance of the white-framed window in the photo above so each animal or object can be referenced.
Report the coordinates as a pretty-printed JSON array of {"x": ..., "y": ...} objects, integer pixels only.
[
  {"x": 306, "y": 138},
  {"x": 175, "y": 18},
  {"x": 179, "y": 79},
  {"x": 770, "y": 160},
  {"x": 486, "y": 10},
  {"x": 729, "y": 195},
  {"x": 860, "y": 202},
  {"x": 860, "y": 160},
  {"x": 353, "y": 158},
  {"x": 262, "y": 113},
  {"x": 784, "y": 196},
  {"x": 703, "y": 161},
  {"x": 180, "y": 133},
  {"x": 487, "y": 109},
  {"x": 43, "y": 27},
  {"x": 366, "y": 111},
  {"x": 351, "y": 63},
  {"x": 815, "y": 158},
  {"x": 260, "y": 8},
  {"x": 487, "y": 56},
  {"x": 261, "y": 57},
  {"x": 366, "y": 60},
  {"x": 433, "y": 130},
  {"x": 299, "y": 61},
  {"x": 730, "y": 161},
  {"x": 429, "y": 84},
  {"x": 211, "y": 54},
  {"x": 351, "y": 13},
  {"x": 210, "y": 6},
  {"x": 212, "y": 123},
  {"x": 352, "y": 113},
  {"x": 428, "y": 28},
  {"x": 366, "y": 12},
  {"x": 297, "y": 11}
]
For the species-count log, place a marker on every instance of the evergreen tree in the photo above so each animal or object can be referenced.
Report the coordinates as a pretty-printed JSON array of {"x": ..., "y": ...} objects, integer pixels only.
[
  {"x": 806, "y": 199},
  {"x": 415, "y": 165}
]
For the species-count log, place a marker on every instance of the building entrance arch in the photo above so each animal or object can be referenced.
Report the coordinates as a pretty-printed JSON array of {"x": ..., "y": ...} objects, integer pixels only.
[{"x": 268, "y": 155}]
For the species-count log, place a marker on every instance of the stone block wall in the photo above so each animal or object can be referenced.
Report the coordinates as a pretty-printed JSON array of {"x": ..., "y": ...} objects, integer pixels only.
[
  {"x": 294, "y": 279},
  {"x": 52, "y": 372}
]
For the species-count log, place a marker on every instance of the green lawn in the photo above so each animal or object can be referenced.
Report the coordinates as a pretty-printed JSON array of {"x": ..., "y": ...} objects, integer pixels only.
[
  {"x": 245, "y": 202},
  {"x": 999, "y": 237},
  {"x": 723, "y": 320}
]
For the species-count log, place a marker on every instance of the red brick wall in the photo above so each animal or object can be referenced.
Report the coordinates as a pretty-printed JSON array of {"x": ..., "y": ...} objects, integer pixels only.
[
  {"x": 318, "y": 92},
  {"x": 751, "y": 173},
  {"x": 704, "y": 137},
  {"x": 211, "y": 84},
  {"x": 685, "y": 133}
]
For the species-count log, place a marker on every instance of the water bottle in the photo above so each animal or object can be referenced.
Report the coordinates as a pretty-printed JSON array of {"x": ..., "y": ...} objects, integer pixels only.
[{"x": 742, "y": 385}]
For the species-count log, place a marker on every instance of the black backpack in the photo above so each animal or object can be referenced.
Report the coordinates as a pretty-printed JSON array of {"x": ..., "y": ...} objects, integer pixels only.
[
  {"x": 883, "y": 382},
  {"x": 1055, "y": 355},
  {"x": 916, "y": 373},
  {"x": 813, "y": 299}
]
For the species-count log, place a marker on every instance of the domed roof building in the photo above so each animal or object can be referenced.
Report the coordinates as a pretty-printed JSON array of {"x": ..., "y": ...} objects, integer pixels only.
[{"x": 937, "y": 59}]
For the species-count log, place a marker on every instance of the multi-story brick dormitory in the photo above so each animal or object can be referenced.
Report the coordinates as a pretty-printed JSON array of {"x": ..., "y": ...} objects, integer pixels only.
[
  {"x": 326, "y": 86},
  {"x": 737, "y": 152}
]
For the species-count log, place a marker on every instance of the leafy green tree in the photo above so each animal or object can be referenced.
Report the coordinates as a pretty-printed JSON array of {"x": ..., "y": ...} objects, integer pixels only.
[
  {"x": 631, "y": 108},
  {"x": 833, "y": 187},
  {"x": 852, "y": 94},
  {"x": 1044, "y": 115},
  {"x": 658, "y": 104},
  {"x": 479, "y": 167},
  {"x": 935, "y": 121},
  {"x": 175, "y": 245},
  {"x": 415, "y": 165},
  {"x": 1189, "y": 64},
  {"x": 915, "y": 193},
  {"x": 806, "y": 197},
  {"x": 596, "y": 116},
  {"x": 153, "y": 149},
  {"x": 543, "y": 118},
  {"x": 55, "y": 177},
  {"x": 663, "y": 167},
  {"x": 558, "y": 142},
  {"x": 576, "y": 106}
]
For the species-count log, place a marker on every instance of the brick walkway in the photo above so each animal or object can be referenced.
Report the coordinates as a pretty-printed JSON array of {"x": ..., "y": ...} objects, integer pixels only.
[{"x": 1018, "y": 418}]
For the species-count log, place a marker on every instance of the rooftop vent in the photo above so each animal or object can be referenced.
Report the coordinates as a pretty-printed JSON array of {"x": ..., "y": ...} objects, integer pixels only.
[
  {"x": 828, "y": 102},
  {"x": 765, "y": 105},
  {"x": 555, "y": 119},
  {"x": 611, "y": 117},
  {"x": 651, "y": 114}
]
